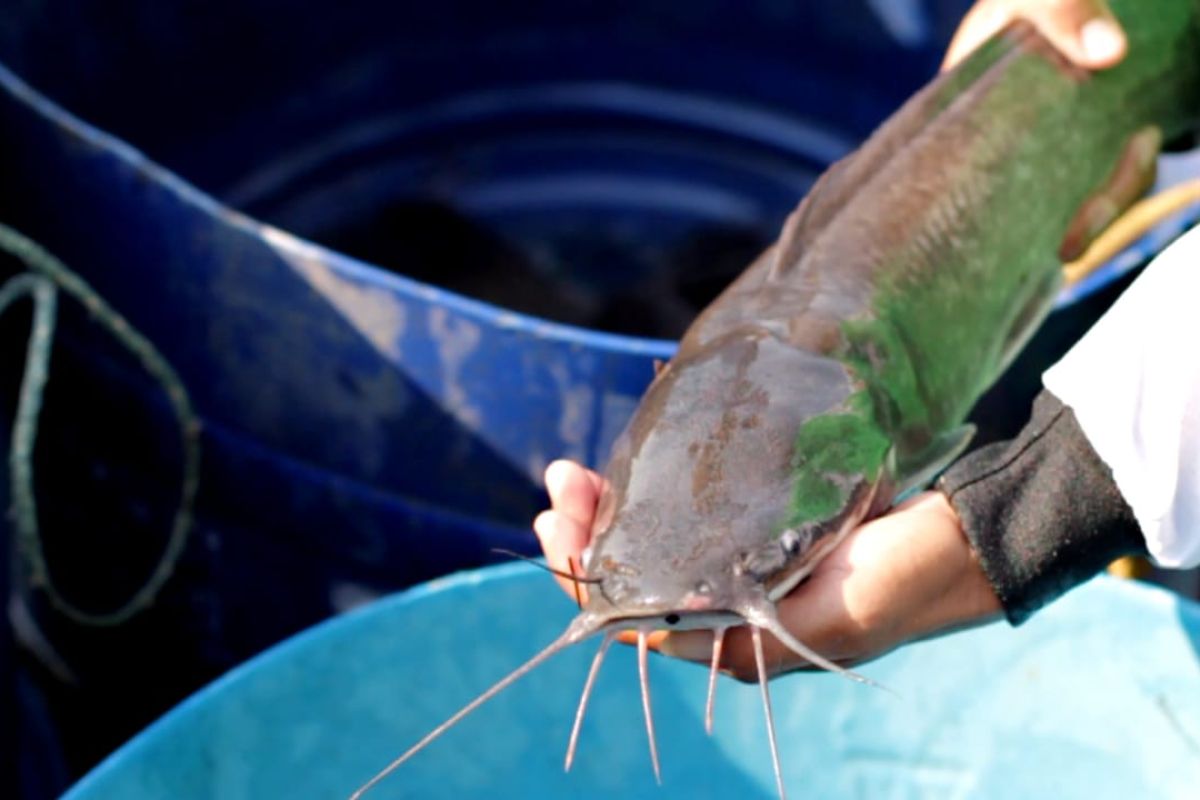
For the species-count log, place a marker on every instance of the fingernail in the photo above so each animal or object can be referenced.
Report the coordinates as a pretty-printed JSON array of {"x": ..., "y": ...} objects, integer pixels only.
[
  {"x": 543, "y": 526},
  {"x": 1102, "y": 40},
  {"x": 689, "y": 646},
  {"x": 556, "y": 475}
]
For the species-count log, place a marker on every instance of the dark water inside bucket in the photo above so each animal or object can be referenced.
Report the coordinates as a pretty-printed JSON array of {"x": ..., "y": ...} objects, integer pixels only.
[
  {"x": 559, "y": 273},
  {"x": 611, "y": 208}
]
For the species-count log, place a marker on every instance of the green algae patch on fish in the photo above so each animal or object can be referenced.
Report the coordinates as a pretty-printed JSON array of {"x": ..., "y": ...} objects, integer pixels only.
[{"x": 832, "y": 453}]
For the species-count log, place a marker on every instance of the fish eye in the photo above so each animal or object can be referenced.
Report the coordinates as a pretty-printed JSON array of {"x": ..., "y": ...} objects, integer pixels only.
[{"x": 672, "y": 619}]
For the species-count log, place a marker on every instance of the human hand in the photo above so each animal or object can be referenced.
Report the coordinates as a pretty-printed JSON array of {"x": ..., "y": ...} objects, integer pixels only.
[
  {"x": 1084, "y": 31},
  {"x": 907, "y": 575}
]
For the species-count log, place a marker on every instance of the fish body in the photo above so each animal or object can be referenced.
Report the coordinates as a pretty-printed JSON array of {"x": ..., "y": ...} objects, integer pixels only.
[{"x": 836, "y": 373}]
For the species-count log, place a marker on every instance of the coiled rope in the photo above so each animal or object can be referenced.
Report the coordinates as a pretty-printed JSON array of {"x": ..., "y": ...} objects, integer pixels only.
[{"x": 46, "y": 276}]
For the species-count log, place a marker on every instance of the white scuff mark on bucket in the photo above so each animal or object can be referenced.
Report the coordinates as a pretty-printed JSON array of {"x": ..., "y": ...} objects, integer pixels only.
[
  {"x": 345, "y": 597},
  {"x": 615, "y": 412},
  {"x": 373, "y": 311},
  {"x": 456, "y": 339},
  {"x": 577, "y": 407},
  {"x": 535, "y": 466},
  {"x": 576, "y": 421},
  {"x": 905, "y": 20}
]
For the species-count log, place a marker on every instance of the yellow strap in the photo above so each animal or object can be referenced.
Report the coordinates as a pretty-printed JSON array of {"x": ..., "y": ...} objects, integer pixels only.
[
  {"x": 1130, "y": 567},
  {"x": 1131, "y": 226}
]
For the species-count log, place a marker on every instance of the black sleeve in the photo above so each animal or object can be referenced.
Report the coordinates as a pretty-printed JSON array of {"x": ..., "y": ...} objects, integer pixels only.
[{"x": 1042, "y": 510}]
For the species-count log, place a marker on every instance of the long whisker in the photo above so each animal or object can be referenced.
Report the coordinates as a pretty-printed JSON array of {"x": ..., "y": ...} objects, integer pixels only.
[
  {"x": 571, "y": 576},
  {"x": 583, "y": 700},
  {"x": 644, "y": 676},
  {"x": 580, "y": 628},
  {"x": 769, "y": 622},
  {"x": 756, "y": 635},
  {"x": 575, "y": 583},
  {"x": 718, "y": 642}
]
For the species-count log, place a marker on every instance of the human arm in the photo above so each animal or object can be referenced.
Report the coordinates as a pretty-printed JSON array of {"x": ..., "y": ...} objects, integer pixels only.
[
  {"x": 1041, "y": 511},
  {"x": 1110, "y": 463}
]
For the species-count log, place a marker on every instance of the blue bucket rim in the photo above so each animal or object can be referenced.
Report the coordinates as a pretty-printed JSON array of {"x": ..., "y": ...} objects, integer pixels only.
[
  {"x": 1147, "y": 596},
  {"x": 301, "y": 640},
  {"x": 1137, "y": 253},
  {"x": 295, "y": 246}
]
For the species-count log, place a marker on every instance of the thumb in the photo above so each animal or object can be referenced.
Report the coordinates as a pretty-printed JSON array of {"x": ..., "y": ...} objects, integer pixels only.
[{"x": 1084, "y": 31}]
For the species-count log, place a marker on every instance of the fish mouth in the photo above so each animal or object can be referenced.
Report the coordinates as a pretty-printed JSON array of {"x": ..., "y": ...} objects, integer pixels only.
[{"x": 674, "y": 620}]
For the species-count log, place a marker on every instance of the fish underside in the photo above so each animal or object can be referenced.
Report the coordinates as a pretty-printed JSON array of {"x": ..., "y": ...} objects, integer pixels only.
[{"x": 834, "y": 375}]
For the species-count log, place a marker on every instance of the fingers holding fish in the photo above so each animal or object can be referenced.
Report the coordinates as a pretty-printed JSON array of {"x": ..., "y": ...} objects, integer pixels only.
[
  {"x": 574, "y": 490},
  {"x": 1085, "y": 31},
  {"x": 564, "y": 530}
]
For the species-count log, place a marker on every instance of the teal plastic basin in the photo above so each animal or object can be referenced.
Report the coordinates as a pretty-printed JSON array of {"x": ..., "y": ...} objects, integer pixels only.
[{"x": 1097, "y": 697}]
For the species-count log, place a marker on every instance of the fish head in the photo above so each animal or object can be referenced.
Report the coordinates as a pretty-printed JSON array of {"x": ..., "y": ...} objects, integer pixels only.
[{"x": 697, "y": 518}]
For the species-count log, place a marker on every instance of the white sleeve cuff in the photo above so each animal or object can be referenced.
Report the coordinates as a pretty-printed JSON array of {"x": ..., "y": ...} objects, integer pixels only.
[{"x": 1134, "y": 384}]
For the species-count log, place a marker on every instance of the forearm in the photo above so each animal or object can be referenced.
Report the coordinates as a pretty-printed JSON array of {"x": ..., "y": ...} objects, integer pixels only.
[
  {"x": 1042, "y": 511},
  {"x": 1110, "y": 462}
]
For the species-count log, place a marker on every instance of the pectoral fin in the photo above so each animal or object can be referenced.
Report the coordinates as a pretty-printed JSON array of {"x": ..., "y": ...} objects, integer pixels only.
[
  {"x": 917, "y": 471},
  {"x": 1133, "y": 175}
]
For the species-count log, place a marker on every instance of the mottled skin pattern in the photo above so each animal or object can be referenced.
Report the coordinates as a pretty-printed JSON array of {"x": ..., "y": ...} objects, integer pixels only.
[{"x": 839, "y": 367}]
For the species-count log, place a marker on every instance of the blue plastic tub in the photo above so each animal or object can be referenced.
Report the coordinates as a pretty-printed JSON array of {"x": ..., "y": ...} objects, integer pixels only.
[
  {"x": 1097, "y": 697},
  {"x": 362, "y": 430},
  {"x": 579, "y": 161}
]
